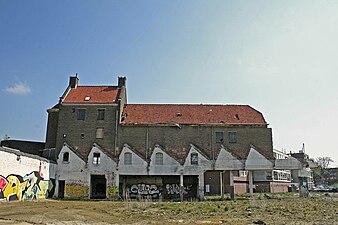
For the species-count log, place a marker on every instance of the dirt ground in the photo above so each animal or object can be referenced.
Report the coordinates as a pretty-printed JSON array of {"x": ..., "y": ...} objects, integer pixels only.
[{"x": 269, "y": 209}]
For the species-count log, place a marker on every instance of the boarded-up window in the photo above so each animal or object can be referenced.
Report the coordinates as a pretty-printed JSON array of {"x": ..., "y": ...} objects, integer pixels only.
[
  {"x": 96, "y": 158},
  {"x": 232, "y": 136},
  {"x": 99, "y": 133},
  {"x": 194, "y": 158},
  {"x": 128, "y": 158},
  {"x": 159, "y": 158}
]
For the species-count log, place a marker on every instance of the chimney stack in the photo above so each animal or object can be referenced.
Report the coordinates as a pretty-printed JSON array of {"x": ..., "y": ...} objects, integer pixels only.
[
  {"x": 73, "y": 81},
  {"x": 122, "y": 82}
]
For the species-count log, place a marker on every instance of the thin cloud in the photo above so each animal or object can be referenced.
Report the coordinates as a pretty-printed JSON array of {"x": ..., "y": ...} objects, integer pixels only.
[{"x": 18, "y": 89}]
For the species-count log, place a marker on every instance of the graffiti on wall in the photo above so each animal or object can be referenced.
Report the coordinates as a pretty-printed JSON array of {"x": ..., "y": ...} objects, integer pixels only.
[
  {"x": 29, "y": 187},
  {"x": 144, "y": 191},
  {"x": 76, "y": 189},
  {"x": 174, "y": 189}
]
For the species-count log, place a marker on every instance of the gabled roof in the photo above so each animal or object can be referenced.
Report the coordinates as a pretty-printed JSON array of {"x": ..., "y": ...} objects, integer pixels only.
[
  {"x": 92, "y": 94},
  {"x": 191, "y": 114}
]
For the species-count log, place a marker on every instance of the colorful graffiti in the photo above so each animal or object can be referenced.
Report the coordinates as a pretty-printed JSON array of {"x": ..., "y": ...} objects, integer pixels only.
[
  {"x": 112, "y": 192},
  {"x": 31, "y": 186},
  {"x": 76, "y": 190},
  {"x": 144, "y": 191}
]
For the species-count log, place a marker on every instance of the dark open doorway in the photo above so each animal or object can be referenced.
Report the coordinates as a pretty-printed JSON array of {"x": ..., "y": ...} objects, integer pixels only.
[
  {"x": 98, "y": 186},
  {"x": 61, "y": 192}
]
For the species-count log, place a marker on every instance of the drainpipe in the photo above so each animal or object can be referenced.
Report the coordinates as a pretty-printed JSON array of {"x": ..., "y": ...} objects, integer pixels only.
[{"x": 116, "y": 129}]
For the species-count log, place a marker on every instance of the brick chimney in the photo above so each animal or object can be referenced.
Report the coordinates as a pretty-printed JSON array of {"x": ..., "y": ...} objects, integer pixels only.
[{"x": 73, "y": 81}]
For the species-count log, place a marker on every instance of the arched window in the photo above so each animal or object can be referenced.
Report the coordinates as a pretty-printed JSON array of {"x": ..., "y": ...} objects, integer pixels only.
[
  {"x": 65, "y": 157},
  {"x": 127, "y": 158},
  {"x": 159, "y": 158}
]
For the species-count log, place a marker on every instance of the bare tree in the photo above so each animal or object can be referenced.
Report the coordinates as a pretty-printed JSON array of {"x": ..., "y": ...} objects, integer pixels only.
[
  {"x": 321, "y": 174},
  {"x": 324, "y": 162}
]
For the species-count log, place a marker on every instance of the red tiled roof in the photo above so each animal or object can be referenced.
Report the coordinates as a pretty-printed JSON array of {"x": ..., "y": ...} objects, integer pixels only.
[
  {"x": 96, "y": 94},
  {"x": 191, "y": 114}
]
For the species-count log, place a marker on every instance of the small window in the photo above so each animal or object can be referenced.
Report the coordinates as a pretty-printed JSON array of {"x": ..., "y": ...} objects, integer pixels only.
[
  {"x": 127, "y": 158},
  {"x": 96, "y": 158},
  {"x": 65, "y": 157},
  {"x": 194, "y": 158},
  {"x": 219, "y": 137},
  {"x": 232, "y": 137},
  {"x": 81, "y": 114},
  {"x": 159, "y": 158},
  {"x": 82, "y": 136},
  {"x": 100, "y": 114},
  {"x": 99, "y": 133}
]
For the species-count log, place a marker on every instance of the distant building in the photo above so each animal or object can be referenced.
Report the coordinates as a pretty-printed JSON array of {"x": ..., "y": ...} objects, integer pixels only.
[
  {"x": 274, "y": 180},
  {"x": 107, "y": 148}
]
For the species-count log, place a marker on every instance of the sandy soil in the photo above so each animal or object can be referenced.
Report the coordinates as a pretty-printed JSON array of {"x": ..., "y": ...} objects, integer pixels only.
[{"x": 280, "y": 209}]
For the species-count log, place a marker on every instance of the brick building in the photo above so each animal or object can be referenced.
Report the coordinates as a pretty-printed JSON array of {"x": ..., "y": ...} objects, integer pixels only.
[{"x": 105, "y": 147}]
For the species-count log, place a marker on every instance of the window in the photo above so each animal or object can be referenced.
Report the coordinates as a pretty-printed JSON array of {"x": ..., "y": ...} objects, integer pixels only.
[
  {"x": 219, "y": 137},
  {"x": 232, "y": 137},
  {"x": 127, "y": 158},
  {"x": 194, "y": 158},
  {"x": 159, "y": 158},
  {"x": 81, "y": 114},
  {"x": 99, "y": 133},
  {"x": 65, "y": 157},
  {"x": 96, "y": 158},
  {"x": 100, "y": 114}
]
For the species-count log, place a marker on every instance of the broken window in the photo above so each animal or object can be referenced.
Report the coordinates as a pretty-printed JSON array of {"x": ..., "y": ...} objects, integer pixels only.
[
  {"x": 159, "y": 158},
  {"x": 219, "y": 137},
  {"x": 96, "y": 158},
  {"x": 81, "y": 114},
  {"x": 194, "y": 158},
  {"x": 65, "y": 157},
  {"x": 127, "y": 158},
  {"x": 232, "y": 136},
  {"x": 100, "y": 114}
]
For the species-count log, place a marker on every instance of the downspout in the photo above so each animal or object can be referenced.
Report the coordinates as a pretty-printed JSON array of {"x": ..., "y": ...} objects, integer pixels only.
[{"x": 116, "y": 130}]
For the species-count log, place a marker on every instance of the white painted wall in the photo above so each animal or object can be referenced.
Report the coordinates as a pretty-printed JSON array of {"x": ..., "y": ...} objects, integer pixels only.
[
  {"x": 226, "y": 161},
  {"x": 170, "y": 165},
  {"x": 203, "y": 163},
  {"x": 256, "y": 161},
  {"x": 18, "y": 163},
  {"x": 138, "y": 166},
  {"x": 73, "y": 171}
]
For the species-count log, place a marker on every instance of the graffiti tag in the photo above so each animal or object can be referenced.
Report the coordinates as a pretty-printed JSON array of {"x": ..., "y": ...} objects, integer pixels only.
[
  {"x": 174, "y": 189},
  {"x": 144, "y": 190}
]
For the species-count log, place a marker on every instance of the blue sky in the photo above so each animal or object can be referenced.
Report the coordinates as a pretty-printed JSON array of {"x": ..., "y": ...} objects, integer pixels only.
[{"x": 277, "y": 56}]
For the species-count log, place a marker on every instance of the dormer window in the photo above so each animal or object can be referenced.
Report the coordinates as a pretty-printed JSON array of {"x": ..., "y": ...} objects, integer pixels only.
[
  {"x": 87, "y": 98},
  {"x": 65, "y": 157}
]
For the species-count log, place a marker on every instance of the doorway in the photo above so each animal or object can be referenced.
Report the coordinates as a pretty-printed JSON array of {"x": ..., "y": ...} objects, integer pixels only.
[
  {"x": 61, "y": 192},
  {"x": 98, "y": 186}
]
